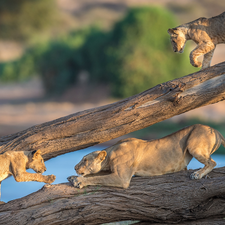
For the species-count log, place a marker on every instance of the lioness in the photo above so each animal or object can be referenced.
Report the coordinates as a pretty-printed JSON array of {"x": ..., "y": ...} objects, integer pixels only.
[
  {"x": 16, "y": 162},
  {"x": 205, "y": 32},
  {"x": 149, "y": 158}
]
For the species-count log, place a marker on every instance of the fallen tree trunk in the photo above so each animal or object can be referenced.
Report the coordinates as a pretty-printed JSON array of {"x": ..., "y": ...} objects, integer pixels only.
[
  {"x": 94, "y": 126},
  {"x": 167, "y": 199}
]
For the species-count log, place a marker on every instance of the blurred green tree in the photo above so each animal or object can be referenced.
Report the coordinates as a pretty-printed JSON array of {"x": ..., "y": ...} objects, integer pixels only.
[
  {"x": 61, "y": 62},
  {"x": 134, "y": 56},
  {"x": 21, "y": 19},
  {"x": 140, "y": 54}
]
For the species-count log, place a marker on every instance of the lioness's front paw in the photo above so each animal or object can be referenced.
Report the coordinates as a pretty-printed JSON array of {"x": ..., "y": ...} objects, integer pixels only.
[
  {"x": 196, "y": 175},
  {"x": 50, "y": 179},
  {"x": 75, "y": 181}
]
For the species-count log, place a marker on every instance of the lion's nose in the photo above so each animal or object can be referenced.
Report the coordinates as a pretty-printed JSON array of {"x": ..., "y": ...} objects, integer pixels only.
[
  {"x": 45, "y": 169},
  {"x": 76, "y": 167}
]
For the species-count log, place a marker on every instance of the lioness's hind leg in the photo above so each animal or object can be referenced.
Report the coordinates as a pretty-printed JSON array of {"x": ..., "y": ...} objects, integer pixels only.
[{"x": 209, "y": 165}]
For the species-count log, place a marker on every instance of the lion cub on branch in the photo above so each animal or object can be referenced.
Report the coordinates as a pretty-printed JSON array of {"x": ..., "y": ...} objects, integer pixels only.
[
  {"x": 16, "y": 162},
  {"x": 205, "y": 32},
  {"x": 133, "y": 156}
]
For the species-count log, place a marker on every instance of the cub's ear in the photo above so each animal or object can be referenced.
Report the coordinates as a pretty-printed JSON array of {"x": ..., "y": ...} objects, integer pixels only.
[
  {"x": 101, "y": 156},
  {"x": 171, "y": 31},
  {"x": 35, "y": 153}
]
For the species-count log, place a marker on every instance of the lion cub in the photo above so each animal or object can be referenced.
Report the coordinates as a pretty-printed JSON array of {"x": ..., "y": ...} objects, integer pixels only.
[
  {"x": 16, "y": 162},
  {"x": 205, "y": 32},
  {"x": 149, "y": 158}
]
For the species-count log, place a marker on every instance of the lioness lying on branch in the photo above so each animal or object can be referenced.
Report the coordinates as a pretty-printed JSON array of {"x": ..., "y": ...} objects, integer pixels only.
[
  {"x": 137, "y": 157},
  {"x": 15, "y": 163}
]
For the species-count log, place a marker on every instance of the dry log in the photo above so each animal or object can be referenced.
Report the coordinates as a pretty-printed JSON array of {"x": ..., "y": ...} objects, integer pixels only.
[
  {"x": 167, "y": 199},
  {"x": 94, "y": 126}
]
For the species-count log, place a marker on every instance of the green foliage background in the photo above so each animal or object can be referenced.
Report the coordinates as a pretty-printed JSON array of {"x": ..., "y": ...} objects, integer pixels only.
[
  {"x": 140, "y": 55},
  {"x": 134, "y": 56},
  {"x": 23, "y": 19}
]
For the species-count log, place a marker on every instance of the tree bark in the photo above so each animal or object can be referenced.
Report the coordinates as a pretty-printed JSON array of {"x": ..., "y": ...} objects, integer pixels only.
[
  {"x": 167, "y": 199},
  {"x": 164, "y": 199},
  {"x": 94, "y": 126}
]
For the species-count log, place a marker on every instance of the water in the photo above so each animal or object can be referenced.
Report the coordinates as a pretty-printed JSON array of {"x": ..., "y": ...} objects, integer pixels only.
[{"x": 63, "y": 166}]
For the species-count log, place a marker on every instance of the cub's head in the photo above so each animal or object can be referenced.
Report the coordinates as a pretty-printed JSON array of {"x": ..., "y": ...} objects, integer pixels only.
[
  {"x": 91, "y": 163},
  {"x": 36, "y": 162},
  {"x": 178, "y": 39}
]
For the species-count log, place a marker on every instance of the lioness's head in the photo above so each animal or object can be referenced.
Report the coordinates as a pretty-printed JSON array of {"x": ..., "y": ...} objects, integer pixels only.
[
  {"x": 91, "y": 163},
  {"x": 36, "y": 162},
  {"x": 178, "y": 39}
]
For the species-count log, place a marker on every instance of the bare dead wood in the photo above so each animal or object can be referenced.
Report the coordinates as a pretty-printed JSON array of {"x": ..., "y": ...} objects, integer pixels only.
[
  {"x": 208, "y": 221},
  {"x": 94, "y": 126},
  {"x": 167, "y": 199}
]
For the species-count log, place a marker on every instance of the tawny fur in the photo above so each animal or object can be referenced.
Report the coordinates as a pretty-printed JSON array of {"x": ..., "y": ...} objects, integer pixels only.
[
  {"x": 116, "y": 165},
  {"x": 16, "y": 162},
  {"x": 205, "y": 32}
]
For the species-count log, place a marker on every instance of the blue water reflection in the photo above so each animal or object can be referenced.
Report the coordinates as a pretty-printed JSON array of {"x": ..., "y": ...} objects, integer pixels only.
[{"x": 63, "y": 166}]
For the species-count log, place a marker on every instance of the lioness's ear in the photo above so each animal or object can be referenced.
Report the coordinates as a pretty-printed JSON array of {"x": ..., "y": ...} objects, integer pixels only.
[
  {"x": 101, "y": 156},
  {"x": 36, "y": 153}
]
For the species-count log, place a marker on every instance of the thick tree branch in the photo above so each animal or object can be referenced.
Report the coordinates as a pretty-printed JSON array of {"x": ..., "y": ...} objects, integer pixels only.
[
  {"x": 94, "y": 126},
  {"x": 171, "y": 198}
]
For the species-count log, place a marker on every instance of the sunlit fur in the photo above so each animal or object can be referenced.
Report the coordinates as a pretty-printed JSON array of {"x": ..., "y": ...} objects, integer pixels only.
[
  {"x": 90, "y": 163},
  {"x": 205, "y": 32},
  {"x": 132, "y": 156},
  {"x": 178, "y": 40},
  {"x": 37, "y": 164},
  {"x": 16, "y": 162}
]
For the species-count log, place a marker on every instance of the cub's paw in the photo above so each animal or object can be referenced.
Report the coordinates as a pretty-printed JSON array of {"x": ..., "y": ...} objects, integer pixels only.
[
  {"x": 195, "y": 176},
  {"x": 196, "y": 64},
  {"x": 50, "y": 179},
  {"x": 75, "y": 181}
]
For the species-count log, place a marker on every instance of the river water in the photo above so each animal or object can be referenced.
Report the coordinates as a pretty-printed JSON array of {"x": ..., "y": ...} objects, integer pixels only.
[{"x": 63, "y": 166}]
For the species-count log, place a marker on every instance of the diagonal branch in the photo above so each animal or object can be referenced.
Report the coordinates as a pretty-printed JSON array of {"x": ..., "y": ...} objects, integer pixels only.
[{"x": 97, "y": 125}]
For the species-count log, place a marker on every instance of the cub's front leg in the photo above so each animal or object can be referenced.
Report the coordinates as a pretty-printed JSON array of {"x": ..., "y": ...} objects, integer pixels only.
[
  {"x": 207, "y": 59},
  {"x": 202, "y": 49},
  {"x": 25, "y": 176}
]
